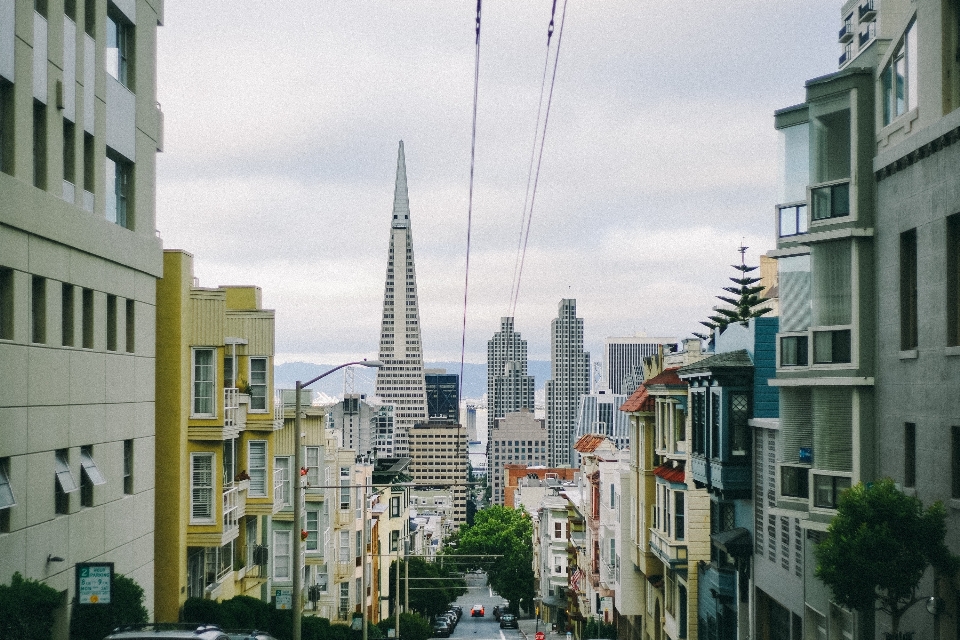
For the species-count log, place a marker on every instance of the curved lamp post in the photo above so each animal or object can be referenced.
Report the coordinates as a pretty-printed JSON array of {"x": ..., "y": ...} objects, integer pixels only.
[{"x": 298, "y": 494}]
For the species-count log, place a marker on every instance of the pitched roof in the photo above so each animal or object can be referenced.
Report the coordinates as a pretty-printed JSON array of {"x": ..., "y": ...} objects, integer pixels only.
[
  {"x": 667, "y": 377},
  {"x": 727, "y": 360},
  {"x": 589, "y": 442},
  {"x": 670, "y": 474},
  {"x": 640, "y": 400}
]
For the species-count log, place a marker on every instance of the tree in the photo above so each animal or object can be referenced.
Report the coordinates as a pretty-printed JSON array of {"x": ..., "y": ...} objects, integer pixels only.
[
  {"x": 94, "y": 621},
  {"x": 878, "y": 547},
  {"x": 433, "y": 585},
  {"x": 26, "y": 609},
  {"x": 412, "y": 626},
  {"x": 501, "y": 531},
  {"x": 743, "y": 306}
]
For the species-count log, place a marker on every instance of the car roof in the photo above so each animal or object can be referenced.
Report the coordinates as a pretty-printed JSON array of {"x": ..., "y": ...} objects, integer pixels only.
[{"x": 169, "y": 632}]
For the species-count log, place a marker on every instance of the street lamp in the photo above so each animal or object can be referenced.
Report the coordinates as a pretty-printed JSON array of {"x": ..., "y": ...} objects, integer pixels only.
[{"x": 298, "y": 494}]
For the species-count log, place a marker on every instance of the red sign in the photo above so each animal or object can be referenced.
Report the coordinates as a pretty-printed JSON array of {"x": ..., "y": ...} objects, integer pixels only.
[{"x": 541, "y": 635}]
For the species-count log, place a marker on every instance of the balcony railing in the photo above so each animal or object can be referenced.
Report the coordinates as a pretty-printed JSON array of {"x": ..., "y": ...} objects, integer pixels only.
[
  {"x": 278, "y": 479},
  {"x": 669, "y": 551},
  {"x": 867, "y": 11},
  {"x": 278, "y": 410},
  {"x": 846, "y": 32},
  {"x": 231, "y": 405},
  {"x": 231, "y": 508}
]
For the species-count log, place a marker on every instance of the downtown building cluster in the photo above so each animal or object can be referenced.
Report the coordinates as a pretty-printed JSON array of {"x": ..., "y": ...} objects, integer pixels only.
[
  {"x": 139, "y": 420},
  {"x": 706, "y": 525}
]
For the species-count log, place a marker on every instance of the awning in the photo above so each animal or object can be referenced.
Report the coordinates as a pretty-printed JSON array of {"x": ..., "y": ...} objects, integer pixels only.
[{"x": 735, "y": 541}]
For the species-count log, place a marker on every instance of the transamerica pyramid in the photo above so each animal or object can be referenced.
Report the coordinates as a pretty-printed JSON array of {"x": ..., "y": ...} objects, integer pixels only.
[{"x": 400, "y": 379}]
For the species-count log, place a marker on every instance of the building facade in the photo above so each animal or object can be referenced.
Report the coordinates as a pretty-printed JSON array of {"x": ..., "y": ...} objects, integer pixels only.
[
  {"x": 599, "y": 413},
  {"x": 569, "y": 379},
  {"x": 217, "y": 484},
  {"x": 509, "y": 388},
  {"x": 623, "y": 361},
  {"x": 443, "y": 396},
  {"x": 517, "y": 438},
  {"x": 79, "y": 259},
  {"x": 400, "y": 380},
  {"x": 438, "y": 458}
]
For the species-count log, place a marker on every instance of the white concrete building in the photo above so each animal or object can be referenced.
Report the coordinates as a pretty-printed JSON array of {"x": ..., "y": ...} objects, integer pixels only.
[
  {"x": 79, "y": 257},
  {"x": 569, "y": 379}
]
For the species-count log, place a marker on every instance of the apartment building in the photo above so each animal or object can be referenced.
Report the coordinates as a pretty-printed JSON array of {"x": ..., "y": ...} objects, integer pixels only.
[
  {"x": 216, "y": 481},
  {"x": 79, "y": 259},
  {"x": 517, "y": 438}
]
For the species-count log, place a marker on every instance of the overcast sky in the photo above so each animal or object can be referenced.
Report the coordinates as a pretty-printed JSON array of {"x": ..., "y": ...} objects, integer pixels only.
[{"x": 282, "y": 121}]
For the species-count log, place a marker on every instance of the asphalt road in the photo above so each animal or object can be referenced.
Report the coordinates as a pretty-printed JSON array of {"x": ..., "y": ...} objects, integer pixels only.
[{"x": 487, "y": 627}]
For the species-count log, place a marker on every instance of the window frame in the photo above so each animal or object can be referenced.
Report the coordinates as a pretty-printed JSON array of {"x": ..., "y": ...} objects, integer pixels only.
[
  {"x": 194, "y": 382},
  {"x": 120, "y": 33},
  {"x": 255, "y": 471},
  {"x": 282, "y": 540},
  {"x": 92, "y": 473},
  {"x": 909, "y": 285},
  {"x": 8, "y": 499},
  {"x": 208, "y": 487},
  {"x": 119, "y": 175},
  {"x": 258, "y": 398}
]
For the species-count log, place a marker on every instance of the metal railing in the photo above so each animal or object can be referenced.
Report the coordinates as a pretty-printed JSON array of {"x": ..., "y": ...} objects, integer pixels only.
[
  {"x": 278, "y": 480},
  {"x": 231, "y": 504},
  {"x": 231, "y": 405},
  {"x": 278, "y": 410}
]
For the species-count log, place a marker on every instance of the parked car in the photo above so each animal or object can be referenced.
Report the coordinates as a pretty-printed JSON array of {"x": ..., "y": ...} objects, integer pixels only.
[
  {"x": 508, "y": 621},
  {"x": 249, "y": 635},
  {"x": 442, "y": 629},
  {"x": 168, "y": 632},
  {"x": 449, "y": 618},
  {"x": 476, "y": 611}
]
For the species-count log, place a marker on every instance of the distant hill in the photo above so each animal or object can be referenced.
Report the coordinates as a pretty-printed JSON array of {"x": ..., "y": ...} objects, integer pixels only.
[{"x": 474, "y": 376}]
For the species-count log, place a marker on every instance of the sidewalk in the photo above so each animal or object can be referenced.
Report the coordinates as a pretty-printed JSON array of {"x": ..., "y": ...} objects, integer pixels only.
[{"x": 528, "y": 629}]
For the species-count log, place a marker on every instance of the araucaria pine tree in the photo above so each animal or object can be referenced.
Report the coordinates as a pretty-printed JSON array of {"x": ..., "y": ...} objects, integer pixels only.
[{"x": 742, "y": 307}]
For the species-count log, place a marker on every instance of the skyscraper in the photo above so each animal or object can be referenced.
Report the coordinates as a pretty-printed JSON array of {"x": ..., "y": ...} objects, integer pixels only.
[
  {"x": 400, "y": 379},
  {"x": 509, "y": 388},
  {"x": 623, "y": 360},
  {"x": 443, "y": 395},
  {"x": 569, "y": 379}
]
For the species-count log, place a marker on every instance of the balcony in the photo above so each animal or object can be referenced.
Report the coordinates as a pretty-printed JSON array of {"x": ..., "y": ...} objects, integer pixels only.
[
  {"x": 846, "y": 32},
  {"x": 231, "y": 509},
  {"x": 726, "y": 475},
  {"x": 210, "y": 428},
  {"x": 278, "y": 479},
  {"x": 864, "y": 38},
  {"x": 844, "y": 57},
  {"x": 278, "y": 411},
  {"x": 867, "y": 11},
  {"x": 231, "y": 406},
  {"x": 669, "y": 551}
]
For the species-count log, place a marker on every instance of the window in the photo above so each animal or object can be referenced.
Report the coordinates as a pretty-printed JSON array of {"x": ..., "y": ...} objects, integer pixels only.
[
  {"x": 312, "y": 525},
  {"x": 131, "y": 326},
  {"x": 344, "y": 553},
  {"x": 794, "y": 482},
  {"x": 953, "y": 280},
  {"x": 258, "y": 384},
  {"x": 793, "y": 220},
  {"x": 898, "y": 81},
  {"x": 203, "y": 382},
  {"x": 38, "y": 307},
  {"x": 283, "y": 463},
  {"x": 119, "y": 47},
  {"x": 70, "y": 9},
  {"x": 90, "y": 17},
  {"x": 909, "y": 454},
  {"x": 395, "y": 507},
  {"x": 6, "y": 127},
  {"x": 313, "y": 466},
  {"x": 282, "y": 543},
  {"x": 40, "y": 6},
  {"x": 229, "y": 458},
  {"x": 908, "y": 289},
  {"x": 228, "y": 374},
  {"x": 344, "y": 598},
  {"x": 739, "y": 414},
  {"x": 831, "y": 347},
  {"x": 793, "y": 351},
  {"x": 6, "y": 303},
  {"x": 66, "y": 309},
  {"x": 6, "y": 491},
  {"x": 87, "y": 319},
  {"x": 65, "y": 483},
  {"x": 88, "y": 172},
  {"x": 39, "y": 145},
  {"x": 557, "y": 530},
  {"x": 69, "y": 155},
  {"x": 344, "y": 487},
  {"x": 119, "y": 175},
  {"x": 827, "y": 489},
  {"x": 394, "y": 540},
  {"x": 678, "y": 514},
  {"x": 201, "y": 488},
  {"x": 111, "y": 322},
  {"x": 832, "y": 201},
  {"x": 257, "y": 467},
  {"x": 90, "y": 476},
  {"x": 128, "y": 466}
]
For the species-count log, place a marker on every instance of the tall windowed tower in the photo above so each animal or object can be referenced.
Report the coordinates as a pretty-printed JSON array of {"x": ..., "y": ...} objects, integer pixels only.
[
  {"x": 400, "y": 380},
  {"x": 509, "y": 388},
  {"x": 569, "y": 379}
]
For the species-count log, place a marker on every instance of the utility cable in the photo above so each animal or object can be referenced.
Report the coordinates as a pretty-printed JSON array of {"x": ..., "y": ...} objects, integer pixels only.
[
  {"x": 473, "y": 156},
  {"x": 546, "y": 119}
]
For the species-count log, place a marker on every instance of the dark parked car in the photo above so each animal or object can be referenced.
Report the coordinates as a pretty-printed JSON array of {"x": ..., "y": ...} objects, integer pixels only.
[
  {"x": 442, "y": 629},
  {"x": 508, "y": 621}
]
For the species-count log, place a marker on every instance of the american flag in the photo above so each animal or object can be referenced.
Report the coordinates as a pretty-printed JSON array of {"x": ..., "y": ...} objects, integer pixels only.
[{"x": 575, "y": 579}]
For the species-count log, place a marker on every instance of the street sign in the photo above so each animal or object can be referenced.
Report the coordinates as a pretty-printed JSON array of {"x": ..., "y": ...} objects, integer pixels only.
[
  {"x": 94, "y": 582},
  {"x": 284, "y": 598}
]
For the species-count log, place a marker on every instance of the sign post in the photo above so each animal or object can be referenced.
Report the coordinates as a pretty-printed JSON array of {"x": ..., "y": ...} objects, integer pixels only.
[{"x": 94, "y": 582}]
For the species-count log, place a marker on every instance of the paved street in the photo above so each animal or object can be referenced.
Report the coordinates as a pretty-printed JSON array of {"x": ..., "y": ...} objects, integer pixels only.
[{"x": 487, "y": 627}]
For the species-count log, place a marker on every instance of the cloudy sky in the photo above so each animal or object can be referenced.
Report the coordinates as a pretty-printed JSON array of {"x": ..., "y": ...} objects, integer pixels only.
[{"x": 282, "y": 121}]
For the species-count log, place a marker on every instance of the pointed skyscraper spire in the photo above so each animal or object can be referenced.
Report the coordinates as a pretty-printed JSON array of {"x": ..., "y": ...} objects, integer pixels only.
[
  {"x": 401, "y": 202},
  {"x": 400, "y": 380}
]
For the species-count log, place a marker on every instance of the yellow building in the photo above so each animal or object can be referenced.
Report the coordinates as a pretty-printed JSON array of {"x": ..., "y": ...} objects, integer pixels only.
[{"x": 217, "y": 482}]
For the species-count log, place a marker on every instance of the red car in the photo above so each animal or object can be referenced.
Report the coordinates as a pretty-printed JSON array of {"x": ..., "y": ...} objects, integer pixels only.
[{"x": 476, "y": 611}]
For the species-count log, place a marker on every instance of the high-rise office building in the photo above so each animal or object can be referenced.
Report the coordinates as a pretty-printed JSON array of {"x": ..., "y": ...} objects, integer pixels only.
[
  {"x": 79, "y": 261},
  {"x": 599, "y": 413},
  {"x": 443, "y": 395},
  {"x": 400, "y": 380},
  {"x": 517, "y": 438},
  {"x": 509, "y": 388},
  {"x": 438, "y": 458},
  {"x": 569, "y": 379},
  {"x": 623, "y": 360}
]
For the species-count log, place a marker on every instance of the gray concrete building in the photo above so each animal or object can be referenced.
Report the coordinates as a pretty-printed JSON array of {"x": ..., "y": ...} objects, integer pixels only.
[
  {"x": 400, "y": 380},
  {"x": 569, "y": 379},
  {"x": 623, "y": 360},
  {"x": 509, "y": 388},
  {"x": 79, "y": 257},
  {"x": 516, "y": 438}
]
